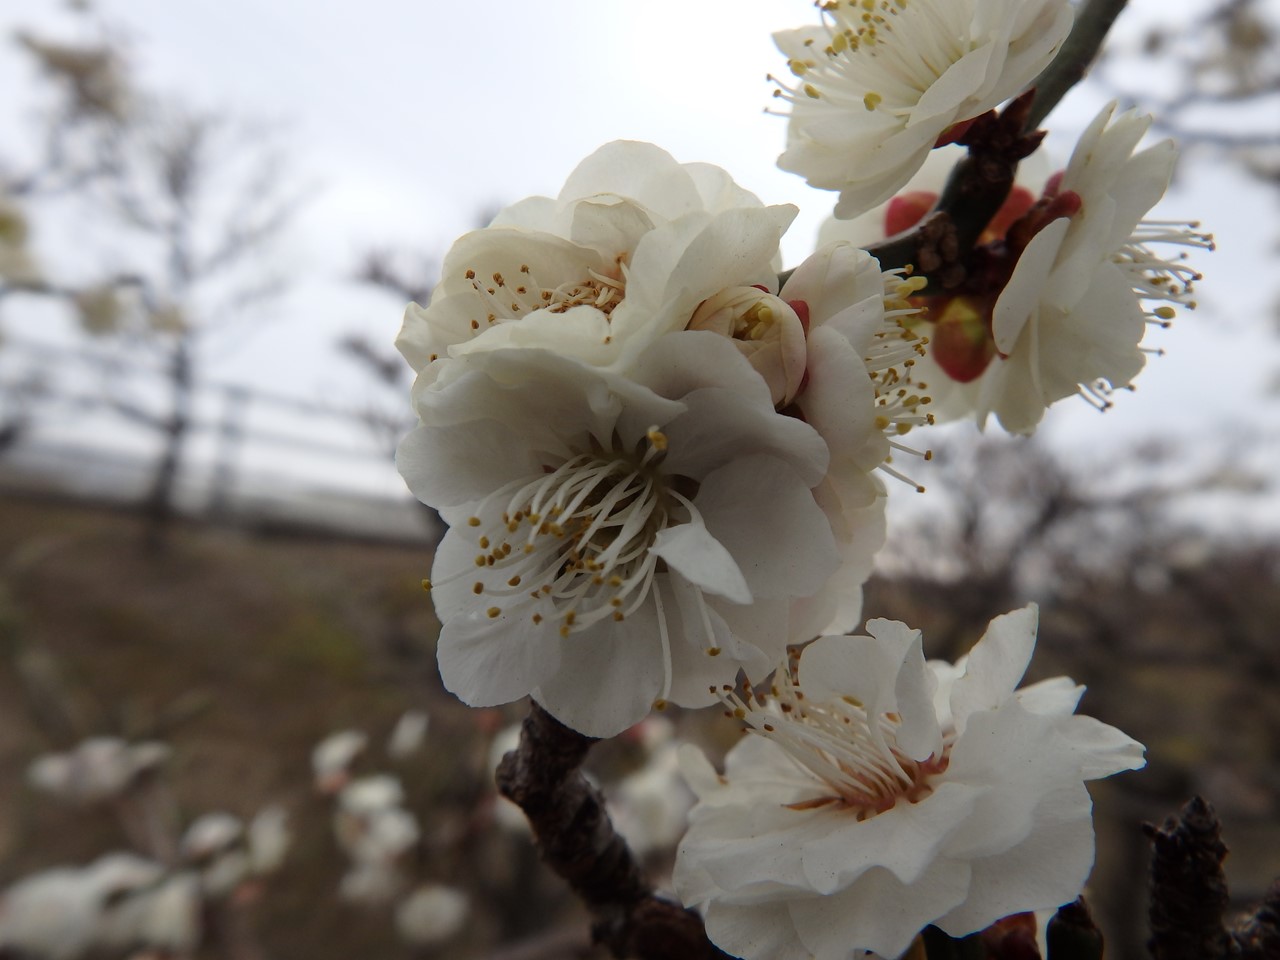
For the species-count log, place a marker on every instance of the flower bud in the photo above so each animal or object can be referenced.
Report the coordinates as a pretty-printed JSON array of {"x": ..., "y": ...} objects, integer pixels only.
[
  {"x": 962, "y": 344},
  {"x": 766, "y": 330}
]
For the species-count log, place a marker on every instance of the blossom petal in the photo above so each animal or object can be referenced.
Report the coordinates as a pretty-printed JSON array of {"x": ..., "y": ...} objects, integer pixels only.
[
  {"x": 701, "y": 559},
  {"x": 787, "y": 549},
  {"x": 879, "y": 913},
  {"x": 995, "y": 664},
  {"x": 607, "y": 676},
  {"x": 1044, "y": 871}
]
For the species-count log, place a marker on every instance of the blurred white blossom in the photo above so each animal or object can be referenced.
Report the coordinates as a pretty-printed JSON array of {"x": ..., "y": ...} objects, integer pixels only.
[
  {"x": 332, "y": 757},
  {"x": 408, "y": 735},
  {"x": 432, "y": 914},
  {"x": 98, "y": 769}
]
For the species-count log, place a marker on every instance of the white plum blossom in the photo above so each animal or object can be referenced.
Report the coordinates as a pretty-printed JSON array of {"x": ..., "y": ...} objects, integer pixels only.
[
  {"x": 432, "y": 914},
  {"x": 332, "y": 757},
  {"x": 880, "y": 82},
  {"x": 625, "y": 253},
  {"x": 616, "y": 541},
  {"x": 98, "y": 769},
  {"x": 878, "y": 793},
  {"x": 408, "y": 734},
  {"x": 1071, "y": 317}
]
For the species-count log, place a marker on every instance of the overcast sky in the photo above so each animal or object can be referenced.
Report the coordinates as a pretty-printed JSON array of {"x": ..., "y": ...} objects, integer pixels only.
[{"x": 409, "y": 117}]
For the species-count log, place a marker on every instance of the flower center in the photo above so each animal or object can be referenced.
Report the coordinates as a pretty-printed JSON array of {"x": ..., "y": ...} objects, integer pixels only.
[
  {"x": 508, "y": 299},
  {"x": 882, "y": 54},
  {"x": 853, "y": 756},
  {"x": 578, "y": 537}
]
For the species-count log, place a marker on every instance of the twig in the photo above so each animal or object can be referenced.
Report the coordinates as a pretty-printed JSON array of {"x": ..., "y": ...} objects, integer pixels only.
[
  {"x": 1068, "y": 68},
  {"x": 1188, "y": 889},
  {"x": 576, "y": 839}
]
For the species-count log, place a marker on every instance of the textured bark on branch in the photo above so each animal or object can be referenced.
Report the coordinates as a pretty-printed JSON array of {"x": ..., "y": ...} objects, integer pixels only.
[
  {"x": 1189, "y": 894},
  {"x": 575, "y": 838},
  {"x": 940, "y": 244}
]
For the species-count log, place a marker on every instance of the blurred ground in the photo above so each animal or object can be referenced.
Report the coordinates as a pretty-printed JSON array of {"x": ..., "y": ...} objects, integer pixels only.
[{"x": 242, "y": 651}]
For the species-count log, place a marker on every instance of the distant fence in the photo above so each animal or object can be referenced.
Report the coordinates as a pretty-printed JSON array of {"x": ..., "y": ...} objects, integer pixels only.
[{"x": 86, "y": 422}]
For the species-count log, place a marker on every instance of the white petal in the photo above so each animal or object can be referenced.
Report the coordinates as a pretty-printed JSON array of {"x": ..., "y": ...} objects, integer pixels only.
[
  {"x": 701, "y": 559},
  {"x": 784, "y": 550},
  {"x": 995, "y": 664}
]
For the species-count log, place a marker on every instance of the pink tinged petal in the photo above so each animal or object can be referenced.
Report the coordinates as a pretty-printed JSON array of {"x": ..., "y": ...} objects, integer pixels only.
[
  {"x": 701, "y": 559},
  {"x": 720, "y": 428},
  {"x": 759, "y": 931},
  {"x": 879, "y": 912},
  {"x": 450, "y": 465},
  {"x": 1044, "y": 871},
  {"x": 904, "y": 840},
  {"x": 1021, "y": 296},
  {"x": 760, "y": 509},
  {"x": 489, "y": 661},
  {"x": 608, "y": 675},
  {"x": 996, "y": 664}
]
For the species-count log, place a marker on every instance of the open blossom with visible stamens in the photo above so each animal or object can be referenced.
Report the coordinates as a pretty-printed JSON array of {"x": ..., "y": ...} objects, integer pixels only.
[
  {"x": 616, "y": 540},
  {"x": 878, "y": 793},
  {"x": 880, "y": 83},
  {"x": 1071, "y": 317},
  {"x": 628, "y": 250}
]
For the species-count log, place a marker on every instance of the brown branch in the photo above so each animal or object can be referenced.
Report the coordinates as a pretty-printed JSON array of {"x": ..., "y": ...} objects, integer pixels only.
[
  {"x": 1188, "y": 888},
  {"x": 1258, "y": 936},
  {"x": 1068, "y": 68},
  {"x": 942, "y": 245},
  {"x": 576, "y": 839}
]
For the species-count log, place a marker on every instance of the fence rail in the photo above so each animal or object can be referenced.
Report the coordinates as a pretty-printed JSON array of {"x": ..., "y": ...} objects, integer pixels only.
[{"x": 89, "y": 423}]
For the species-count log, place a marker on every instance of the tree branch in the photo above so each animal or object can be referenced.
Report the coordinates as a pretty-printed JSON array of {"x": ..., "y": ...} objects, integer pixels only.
[
  {"x": 576, "y": 839},
  {"x": 1068, "y": 68},
  {"x": 1188, "y": 888}
]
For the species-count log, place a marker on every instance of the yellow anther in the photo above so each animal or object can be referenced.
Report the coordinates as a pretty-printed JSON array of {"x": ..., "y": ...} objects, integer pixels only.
[
  {"x": 657, "y": 438},
  {"x": 477, "y": 588},
  {"x": 494, "y": 612},
  {"x": 514, "y": 581},
  {"x": 1165, "y": 313},
  {"x": 426, "y": 584},
  {"x": 473, "y": 522},
  {"x": 872, "y": 100},
  {"x": 713, "y": 652},
  {"x": 811, "y": 91},
  {"x": 659, "y": 704}
]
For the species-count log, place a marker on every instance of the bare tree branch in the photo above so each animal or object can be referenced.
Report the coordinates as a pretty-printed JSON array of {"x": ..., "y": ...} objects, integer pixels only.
[{"x": 577, "y": 840}]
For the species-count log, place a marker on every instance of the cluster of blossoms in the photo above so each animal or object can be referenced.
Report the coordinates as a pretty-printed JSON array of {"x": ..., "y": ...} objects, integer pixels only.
[
  {"x": 661, "y": 464},
  {"x": 657, "y": 465}
]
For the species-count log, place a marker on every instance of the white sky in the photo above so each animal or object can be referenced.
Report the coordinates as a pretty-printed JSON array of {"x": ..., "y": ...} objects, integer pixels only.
[{"x": 413, "y": 116}]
